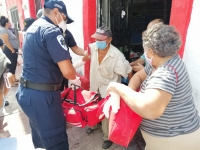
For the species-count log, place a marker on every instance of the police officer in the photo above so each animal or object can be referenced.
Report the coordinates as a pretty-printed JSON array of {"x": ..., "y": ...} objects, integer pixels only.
[
  {"x": 27, "y": 23},
  {"x": 46, "y": 61}
]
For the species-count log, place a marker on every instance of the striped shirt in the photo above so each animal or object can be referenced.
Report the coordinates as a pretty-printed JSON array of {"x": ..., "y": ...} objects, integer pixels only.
[{"x": 180, "y": 115}]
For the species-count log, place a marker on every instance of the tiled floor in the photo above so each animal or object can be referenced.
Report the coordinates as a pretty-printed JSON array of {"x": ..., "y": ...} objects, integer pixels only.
[{"x": 15, "y": 131}]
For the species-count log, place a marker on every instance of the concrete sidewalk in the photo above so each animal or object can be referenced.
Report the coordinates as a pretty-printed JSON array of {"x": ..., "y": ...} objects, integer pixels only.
[{"x": 15, "y": 130}]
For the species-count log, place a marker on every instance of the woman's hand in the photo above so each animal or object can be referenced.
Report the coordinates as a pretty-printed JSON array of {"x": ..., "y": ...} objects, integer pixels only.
[{"x": 112, "y": 87}]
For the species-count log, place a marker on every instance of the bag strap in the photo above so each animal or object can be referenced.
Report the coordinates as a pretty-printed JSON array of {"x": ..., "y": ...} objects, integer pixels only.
[
  {"x": 96, "y": 97},
  {"x": 67, "y": 94},
  {"x": 75, "y": 93}
]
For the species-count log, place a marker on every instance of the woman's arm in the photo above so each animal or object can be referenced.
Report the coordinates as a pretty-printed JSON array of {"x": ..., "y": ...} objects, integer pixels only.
[
  {"x": 149, "y": 105},
  {"x": 137, "y": 80},
  {"x": 139, "y": 60},
  {"x": 6, "y": 41}
]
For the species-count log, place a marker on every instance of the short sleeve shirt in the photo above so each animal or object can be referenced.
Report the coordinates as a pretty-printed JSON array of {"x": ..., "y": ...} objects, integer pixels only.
[
  {"x": 12, "y": 38},
  {"x": 143, "y": 57},
  {"x": 69, "y": 39},
  {"x": 43, "y": 47},
  {"x": 180, "y": 115}
]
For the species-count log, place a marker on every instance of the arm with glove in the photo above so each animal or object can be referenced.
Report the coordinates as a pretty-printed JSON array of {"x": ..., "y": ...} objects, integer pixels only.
[{"x": 82, "y": 61}]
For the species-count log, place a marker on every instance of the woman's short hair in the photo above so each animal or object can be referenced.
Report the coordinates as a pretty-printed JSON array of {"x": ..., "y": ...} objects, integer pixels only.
[
  {"x": 164, "y": 40},
  {"x": 3, "y": 21}
]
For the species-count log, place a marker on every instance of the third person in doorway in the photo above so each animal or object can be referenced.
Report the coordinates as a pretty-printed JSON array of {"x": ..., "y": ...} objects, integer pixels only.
[{"x": 139, "y": 64}]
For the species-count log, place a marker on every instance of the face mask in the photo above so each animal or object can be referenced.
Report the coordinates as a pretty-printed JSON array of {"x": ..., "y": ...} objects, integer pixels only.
[
  {"x": 62, "y": 24},
  {"x": 149, "y": 60},
  {"x": 101, "y": 45}
]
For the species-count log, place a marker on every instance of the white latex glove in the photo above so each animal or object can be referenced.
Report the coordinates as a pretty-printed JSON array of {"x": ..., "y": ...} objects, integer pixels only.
[
  {"x": 75, "y": 81},
  {"x": 78, "y": 64},
  {"x": 114, "y": 102}
]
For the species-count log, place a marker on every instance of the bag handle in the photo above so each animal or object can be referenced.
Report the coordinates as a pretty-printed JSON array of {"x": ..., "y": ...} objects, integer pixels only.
[
  {"x": 74, "y": 94},
  {"x": 96, "y": 97}
]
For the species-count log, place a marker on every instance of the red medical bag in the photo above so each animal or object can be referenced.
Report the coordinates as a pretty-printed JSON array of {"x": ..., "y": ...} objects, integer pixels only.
[{"x": 80, "y": 107}]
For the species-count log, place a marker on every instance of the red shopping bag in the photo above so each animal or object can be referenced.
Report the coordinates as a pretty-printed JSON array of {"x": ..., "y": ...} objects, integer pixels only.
[
  {"x": 80, "y": 107},
  {"x": 122, "y": 125}
]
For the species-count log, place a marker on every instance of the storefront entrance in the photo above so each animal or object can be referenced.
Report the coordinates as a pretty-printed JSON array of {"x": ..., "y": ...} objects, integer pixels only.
[{"x": 128, "y": 19}]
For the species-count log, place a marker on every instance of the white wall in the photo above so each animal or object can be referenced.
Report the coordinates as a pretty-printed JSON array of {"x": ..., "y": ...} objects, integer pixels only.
[
  {"x": 25, "y": 7},
  {"x": 3, "y": 11},
  {"x": 75, "y": 11},
  {"x": 192, "y": 52}
]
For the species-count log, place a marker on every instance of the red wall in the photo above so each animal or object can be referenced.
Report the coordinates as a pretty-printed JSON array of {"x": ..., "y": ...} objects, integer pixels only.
[
  {"x": 89, "y": 27},
  {"x": 180, "y": 18},
  {"x": 32, "y": 8}
]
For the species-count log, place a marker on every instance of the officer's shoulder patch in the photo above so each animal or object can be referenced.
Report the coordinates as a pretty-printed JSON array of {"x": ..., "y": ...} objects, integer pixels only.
[{"x": 61, "y": 41}]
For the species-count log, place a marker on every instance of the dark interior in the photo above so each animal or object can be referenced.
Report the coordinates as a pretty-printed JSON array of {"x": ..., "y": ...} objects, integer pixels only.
[{"x": 129, "y": 18}]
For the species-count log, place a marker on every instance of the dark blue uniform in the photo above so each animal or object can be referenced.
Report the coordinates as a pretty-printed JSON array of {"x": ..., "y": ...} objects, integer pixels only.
[
  {"x": 43, "y": 47},
  {"x": 70, "y": 42},
  {"x": 69, "y": 39}
]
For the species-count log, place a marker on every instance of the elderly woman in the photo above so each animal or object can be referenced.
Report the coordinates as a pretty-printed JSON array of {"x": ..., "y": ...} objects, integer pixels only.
[
  {"x": 165, "y": 101},
  {"x": 10, "y": 45}
]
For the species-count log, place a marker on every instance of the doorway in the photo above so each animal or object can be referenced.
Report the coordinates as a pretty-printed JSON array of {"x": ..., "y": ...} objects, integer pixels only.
[{"x": 128, "y": 19}]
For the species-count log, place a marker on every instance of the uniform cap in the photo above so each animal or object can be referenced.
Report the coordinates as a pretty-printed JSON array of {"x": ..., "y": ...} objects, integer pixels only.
[
  {"x": 27, "y": 23},
  {"x": 102, "y": 33},
  {"x": 60, "y": 6}
]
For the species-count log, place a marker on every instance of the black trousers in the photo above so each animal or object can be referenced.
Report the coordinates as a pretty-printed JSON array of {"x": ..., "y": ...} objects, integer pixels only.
[{"x": 12, "y": 57}]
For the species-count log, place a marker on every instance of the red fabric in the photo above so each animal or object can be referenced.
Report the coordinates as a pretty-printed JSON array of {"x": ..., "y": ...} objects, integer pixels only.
[
  {"x": 85, "y": 83},
  {"x": 123, "y": 125},
  {"x": 84, "y": 112}
]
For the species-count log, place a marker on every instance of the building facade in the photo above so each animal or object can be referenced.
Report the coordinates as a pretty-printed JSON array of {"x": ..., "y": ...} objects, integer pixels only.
[{"x": 125, "y": 17}]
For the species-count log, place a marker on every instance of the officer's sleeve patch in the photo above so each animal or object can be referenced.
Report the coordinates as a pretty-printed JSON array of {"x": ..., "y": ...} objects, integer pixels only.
[{"x": 61, "y": 41}]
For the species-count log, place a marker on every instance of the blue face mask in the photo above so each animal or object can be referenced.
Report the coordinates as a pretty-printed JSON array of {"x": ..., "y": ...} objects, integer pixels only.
[{"x": 101, "y": 45}]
